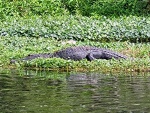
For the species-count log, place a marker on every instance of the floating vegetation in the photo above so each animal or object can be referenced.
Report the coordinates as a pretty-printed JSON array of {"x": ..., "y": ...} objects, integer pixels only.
[{"x": 131, "y": 28}]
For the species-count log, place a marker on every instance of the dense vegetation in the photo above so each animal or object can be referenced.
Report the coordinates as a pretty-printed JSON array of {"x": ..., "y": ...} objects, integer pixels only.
[
  {"x": 79, "y": 7},
  {"x": 131, "y": 28},
  {"x": 37, "y": 26},
  {"x": 106, "y": 20}
]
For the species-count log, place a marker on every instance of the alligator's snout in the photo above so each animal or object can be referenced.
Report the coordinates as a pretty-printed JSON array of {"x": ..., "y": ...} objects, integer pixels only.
[{"x": 12, "y": 61}]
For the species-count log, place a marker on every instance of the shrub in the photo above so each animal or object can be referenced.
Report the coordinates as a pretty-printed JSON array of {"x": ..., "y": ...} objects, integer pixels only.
[
  {"x": 24, "y": 8},
  {"x": 106, "y": 7},
  {"x": 31, "y": 7}
]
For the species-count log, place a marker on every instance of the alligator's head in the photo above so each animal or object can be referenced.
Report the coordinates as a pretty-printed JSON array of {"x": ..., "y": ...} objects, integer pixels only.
[{"x": 12, "y": 61}]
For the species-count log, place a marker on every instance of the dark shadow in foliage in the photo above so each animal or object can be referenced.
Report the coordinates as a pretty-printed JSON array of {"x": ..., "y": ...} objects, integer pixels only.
[{"x": 107, "y": 8}]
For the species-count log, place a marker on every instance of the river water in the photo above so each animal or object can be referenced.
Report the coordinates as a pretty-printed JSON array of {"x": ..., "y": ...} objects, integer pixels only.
[{"x": 28, "y": 91}]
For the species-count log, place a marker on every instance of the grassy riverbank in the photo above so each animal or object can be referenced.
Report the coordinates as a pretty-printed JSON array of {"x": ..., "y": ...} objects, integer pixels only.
[
  {"x": 28, "y": 27},
  {"x": 18, "y": 47}
]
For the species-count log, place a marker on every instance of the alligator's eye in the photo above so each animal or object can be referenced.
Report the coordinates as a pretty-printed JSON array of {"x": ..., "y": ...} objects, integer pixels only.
[{"x": 87, "y": 49}]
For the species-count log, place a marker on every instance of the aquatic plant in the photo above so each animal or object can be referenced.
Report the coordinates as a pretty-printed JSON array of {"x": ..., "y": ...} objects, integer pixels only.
[{"x": 131, "y": 28}]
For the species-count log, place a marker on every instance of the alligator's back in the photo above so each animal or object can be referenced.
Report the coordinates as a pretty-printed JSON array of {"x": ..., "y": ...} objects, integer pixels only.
[
  {"x": 81, "y": 52},
  {"x": 73, "y": 53}
]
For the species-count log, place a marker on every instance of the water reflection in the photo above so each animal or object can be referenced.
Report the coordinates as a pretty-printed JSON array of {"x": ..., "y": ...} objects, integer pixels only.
[
  {"x": 111, "y": 93},
  {"x": 42, "y": 91},
  {"x": 11, "y": 93}
]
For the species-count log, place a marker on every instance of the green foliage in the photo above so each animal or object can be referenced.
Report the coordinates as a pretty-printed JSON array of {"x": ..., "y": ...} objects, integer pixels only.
[
  {"x": 105, "y": 7},
  {"x": 24, "y": 8},
  {"x": 130, "y": 28},
  {"x": 31, "y": 7}
]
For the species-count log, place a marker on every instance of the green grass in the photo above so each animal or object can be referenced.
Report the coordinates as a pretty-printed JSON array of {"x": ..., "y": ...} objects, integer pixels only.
[{"x": 18, "y": 47}]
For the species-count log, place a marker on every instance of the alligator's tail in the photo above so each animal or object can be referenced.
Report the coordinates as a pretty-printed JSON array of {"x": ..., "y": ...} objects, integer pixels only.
[
  {"x": 111, "y": 54},
  {"x": 33, "y": 56}
]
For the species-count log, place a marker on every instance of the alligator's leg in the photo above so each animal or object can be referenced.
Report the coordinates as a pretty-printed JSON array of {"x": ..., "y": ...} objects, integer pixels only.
[
  {"x": 96, "y": 55},
  {"x": 90, "y": 57}
]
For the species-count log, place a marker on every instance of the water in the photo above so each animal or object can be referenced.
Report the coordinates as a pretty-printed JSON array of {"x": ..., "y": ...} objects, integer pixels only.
[{"x": 48, "y": 92}]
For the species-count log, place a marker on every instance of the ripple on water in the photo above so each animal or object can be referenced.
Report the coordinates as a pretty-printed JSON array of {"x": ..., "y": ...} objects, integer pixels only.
[{"x": 42, "y": 92}]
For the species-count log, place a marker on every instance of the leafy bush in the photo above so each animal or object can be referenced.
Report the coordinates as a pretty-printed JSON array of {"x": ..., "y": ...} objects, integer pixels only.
[
  {"x": 106, "y": 7},
  {"x": 26, "y": 8},
  {"x": 130, "y": 28},
  {"x": 31, "y": 7}
]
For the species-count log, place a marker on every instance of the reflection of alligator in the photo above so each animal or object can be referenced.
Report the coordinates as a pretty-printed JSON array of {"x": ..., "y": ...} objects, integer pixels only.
[{"x": 78, "y": 53}]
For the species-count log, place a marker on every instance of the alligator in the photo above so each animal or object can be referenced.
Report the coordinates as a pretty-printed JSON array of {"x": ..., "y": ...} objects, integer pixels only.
[{"x": 78, "y": 53}]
